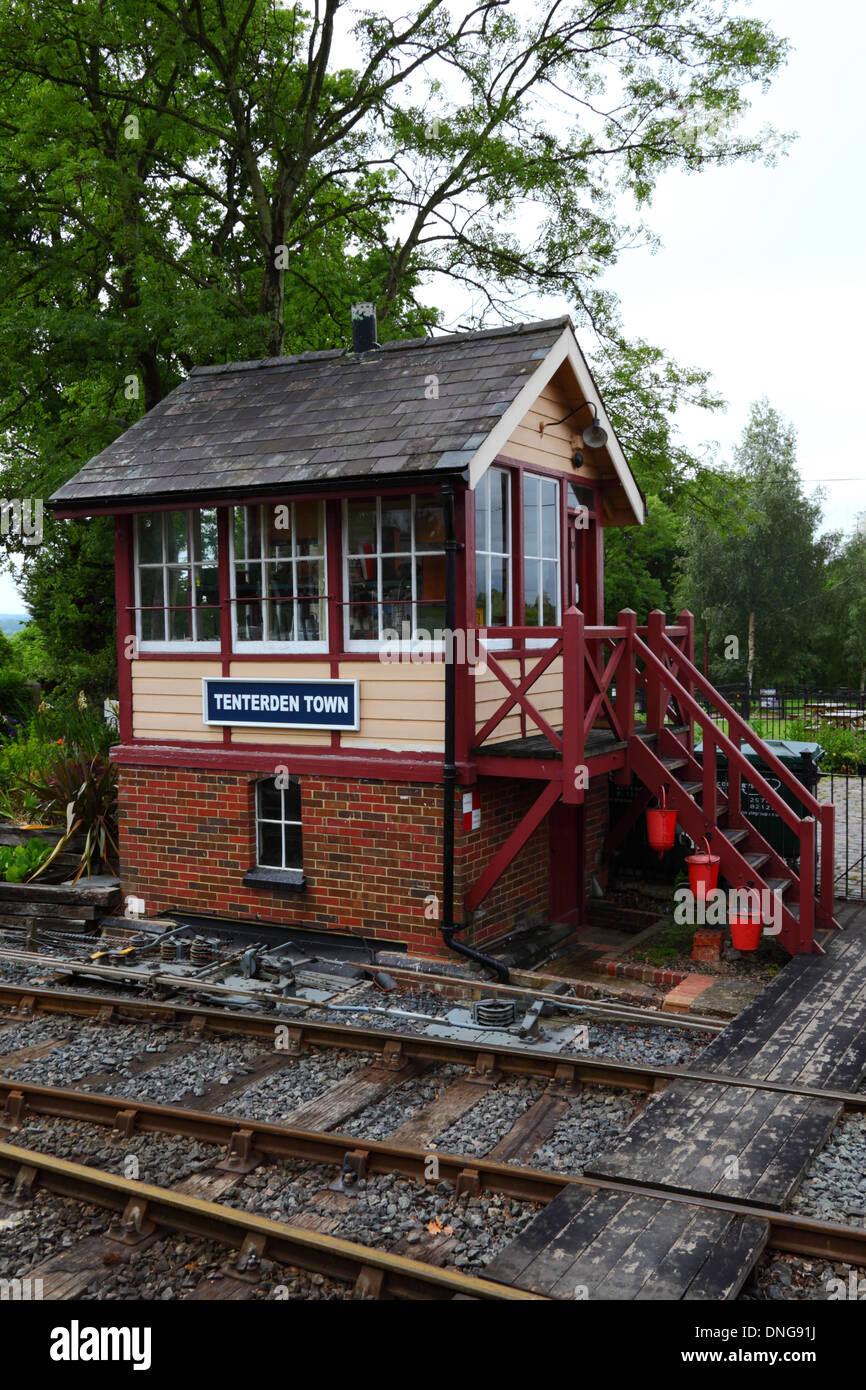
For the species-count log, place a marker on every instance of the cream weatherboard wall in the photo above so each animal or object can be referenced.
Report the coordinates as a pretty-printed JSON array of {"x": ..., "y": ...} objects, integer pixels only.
[
  {"x": 166, "y": 700},
  {"x": 402, "y": 704}
]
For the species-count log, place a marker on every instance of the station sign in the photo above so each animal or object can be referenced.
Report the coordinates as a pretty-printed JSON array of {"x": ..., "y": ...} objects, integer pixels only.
[{"x": 281, "y": 704}]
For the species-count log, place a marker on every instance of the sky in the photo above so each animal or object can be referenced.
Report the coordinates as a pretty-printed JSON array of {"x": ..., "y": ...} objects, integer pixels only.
[
  {"x": 760, "y": 275},
  {"x": 760, "y": 278}
]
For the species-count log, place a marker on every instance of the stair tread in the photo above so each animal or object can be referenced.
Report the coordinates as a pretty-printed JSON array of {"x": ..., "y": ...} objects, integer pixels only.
[
  {"x": 735, "y": 836},
  {"x": 756, "y": 860},
  {"x": 671, "y": 763},
  {"x": 778, "y": 885}
]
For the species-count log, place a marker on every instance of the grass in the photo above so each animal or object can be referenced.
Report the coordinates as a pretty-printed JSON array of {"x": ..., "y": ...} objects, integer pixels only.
[{"x": 671, "y": 941}]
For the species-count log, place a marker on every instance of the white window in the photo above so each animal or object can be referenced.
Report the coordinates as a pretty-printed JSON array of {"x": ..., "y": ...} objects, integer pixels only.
[
  {"x": 493, "y": 549},
  {"x": 278, "y": 824},
  {"x": 541, "y": 551},
  {"x": 278, "y": 577},
  {"x": 395, "y": 569},
  {"x": 177, "y": 580}
]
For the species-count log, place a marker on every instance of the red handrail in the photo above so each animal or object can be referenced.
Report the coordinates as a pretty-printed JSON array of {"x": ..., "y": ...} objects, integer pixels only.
[
  {"x": 739, "y": 766},
  {"x": 746, "y": 734}
]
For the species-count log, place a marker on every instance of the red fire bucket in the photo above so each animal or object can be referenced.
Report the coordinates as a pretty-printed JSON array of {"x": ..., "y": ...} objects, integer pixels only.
[
  {"x": 703, "y": 871},
  {"x": 661, "y": 826},
  {"x": 746, "y": 929}
]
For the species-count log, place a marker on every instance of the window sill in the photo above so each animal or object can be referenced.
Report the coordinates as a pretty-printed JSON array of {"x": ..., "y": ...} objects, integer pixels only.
[{"x": 291, "y": 880}]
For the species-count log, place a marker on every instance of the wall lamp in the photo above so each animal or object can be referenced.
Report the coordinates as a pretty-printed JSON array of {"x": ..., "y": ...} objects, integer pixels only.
[{"x": 594, "y": 437}]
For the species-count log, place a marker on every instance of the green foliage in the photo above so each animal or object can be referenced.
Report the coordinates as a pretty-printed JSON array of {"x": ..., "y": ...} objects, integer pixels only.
[
  {"x": 16, "y": 696},
  {"x": 193, "y": 183},
  {"x": 19, "y": 804},
  {"x": 761, "y": 557},
  {"x": 639, "y": 563},
  {"x": 28, "y": 654},
  {"x": 20, "y": 862},
  {"x": 69, "y": 589},
  {"x": 30, "y": 754},
  {"x": 844, "y": 749},
  {"x": 79, "y": 725},
  {"x": 23, "y": 756}
]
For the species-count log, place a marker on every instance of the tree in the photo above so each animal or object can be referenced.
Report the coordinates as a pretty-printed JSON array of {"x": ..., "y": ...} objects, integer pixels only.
[
  {"x": 199, "y": 180},
  {"x": 755, "y": 576},
  {"x": 639, "y": 563},
  {"x": 847, "y": 593}
]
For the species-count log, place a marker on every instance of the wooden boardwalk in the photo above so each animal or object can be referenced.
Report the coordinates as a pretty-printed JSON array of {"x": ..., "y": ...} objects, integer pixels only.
[{"x": 807, "y": 1029}]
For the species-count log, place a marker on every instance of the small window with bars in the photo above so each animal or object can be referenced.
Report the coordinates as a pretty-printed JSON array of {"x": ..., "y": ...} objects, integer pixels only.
[{"x": 278, "y": 824}]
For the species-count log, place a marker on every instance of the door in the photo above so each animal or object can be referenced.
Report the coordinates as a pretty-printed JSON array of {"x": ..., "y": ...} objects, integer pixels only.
[{"x": 575, "y": 543}]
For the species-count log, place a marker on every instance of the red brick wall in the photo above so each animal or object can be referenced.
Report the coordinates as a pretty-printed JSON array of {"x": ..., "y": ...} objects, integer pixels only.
[
  {"x": 372, "y": 854},
  {"x": 522, "y": 892}
]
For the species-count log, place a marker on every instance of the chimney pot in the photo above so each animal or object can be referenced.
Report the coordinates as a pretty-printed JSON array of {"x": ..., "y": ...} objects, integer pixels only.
[{"x": 364, "y": 327}]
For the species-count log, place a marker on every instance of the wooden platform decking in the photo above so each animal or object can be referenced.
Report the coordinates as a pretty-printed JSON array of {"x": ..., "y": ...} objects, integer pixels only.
[
  {"x": 599, "y": 742},
  {"x": 753, "y": 1146}
]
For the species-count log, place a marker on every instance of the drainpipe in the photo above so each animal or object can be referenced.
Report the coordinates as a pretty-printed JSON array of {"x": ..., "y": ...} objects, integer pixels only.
[{"x": 449, "y": 770}]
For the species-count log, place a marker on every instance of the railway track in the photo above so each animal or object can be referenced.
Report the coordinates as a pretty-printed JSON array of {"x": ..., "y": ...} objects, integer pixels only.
[
  {"x": 145, "y": 1208},
  {"x": 395, "y": 1049},
  {"x": 246, "y": 1143},
  {"x": 176, "y": 986}
]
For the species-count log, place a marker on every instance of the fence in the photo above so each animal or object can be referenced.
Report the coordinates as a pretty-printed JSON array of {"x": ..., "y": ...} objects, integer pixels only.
[
  {"x": 846, "y": 791},
  {"x": 771, "y": 711}
]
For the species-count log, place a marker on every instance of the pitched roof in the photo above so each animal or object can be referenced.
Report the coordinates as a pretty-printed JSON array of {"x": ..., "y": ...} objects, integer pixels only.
[{"x": 249, "y": 427}]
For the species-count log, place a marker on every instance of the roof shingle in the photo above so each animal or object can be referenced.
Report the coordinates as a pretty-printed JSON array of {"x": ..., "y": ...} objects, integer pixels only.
[{"x": 287, "y": 421}]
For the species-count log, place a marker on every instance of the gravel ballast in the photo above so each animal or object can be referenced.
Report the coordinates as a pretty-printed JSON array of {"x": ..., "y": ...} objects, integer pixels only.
[{"x": 833, "y": 1188}]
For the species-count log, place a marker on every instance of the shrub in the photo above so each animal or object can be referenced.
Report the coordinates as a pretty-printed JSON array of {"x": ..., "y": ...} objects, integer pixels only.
[
  {"x": 844, "y": 749},
  {"x": 80, "y": 725},
  {"x": 24, "y": 756},
  {"x": 20, "y": 862},
  {"x": 82, "y": 791},
  {"x": 16, "y": 695}
]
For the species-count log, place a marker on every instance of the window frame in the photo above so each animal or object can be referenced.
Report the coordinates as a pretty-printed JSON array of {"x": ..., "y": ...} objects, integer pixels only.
[
  {"x": 541, "y": 559},
  {"x": 181, "y": 644},
  {"x": 508, "y": 555},
  {"x": 380, "y": 643},
  {"x": 262, "y": 646},
  {"x": 282, "y": 868}
]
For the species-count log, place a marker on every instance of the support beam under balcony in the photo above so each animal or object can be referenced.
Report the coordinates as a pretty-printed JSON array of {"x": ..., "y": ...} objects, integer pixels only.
[{"x": 513, "y": 845}]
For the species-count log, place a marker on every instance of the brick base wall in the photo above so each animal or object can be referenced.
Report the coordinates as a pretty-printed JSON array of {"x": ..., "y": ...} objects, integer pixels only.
[{"x": 372, "y": 854}]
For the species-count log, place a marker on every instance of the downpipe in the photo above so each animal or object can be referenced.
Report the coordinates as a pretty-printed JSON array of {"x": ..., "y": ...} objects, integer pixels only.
[{"x": 447, "y": 927}]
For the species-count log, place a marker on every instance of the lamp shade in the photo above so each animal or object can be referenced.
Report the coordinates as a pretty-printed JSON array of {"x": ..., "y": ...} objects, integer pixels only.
[{"x": 594, "y": 437}]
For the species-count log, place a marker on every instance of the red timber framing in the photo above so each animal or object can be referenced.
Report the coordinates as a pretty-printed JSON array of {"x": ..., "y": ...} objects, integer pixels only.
[{"x": 374, "y": 761}]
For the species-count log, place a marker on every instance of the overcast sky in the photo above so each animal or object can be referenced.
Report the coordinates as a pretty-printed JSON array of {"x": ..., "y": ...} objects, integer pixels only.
[{"x": 760, "y": 276}]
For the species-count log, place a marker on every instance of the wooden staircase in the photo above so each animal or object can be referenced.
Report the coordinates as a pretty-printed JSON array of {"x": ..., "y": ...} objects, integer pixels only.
[
  {"x": 603, "y": 670},
  {"x": 747, "y": 860}
]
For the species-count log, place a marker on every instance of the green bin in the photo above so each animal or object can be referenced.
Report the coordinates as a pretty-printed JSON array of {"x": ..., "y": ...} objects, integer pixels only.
[{"x": 803, "y": 760}]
